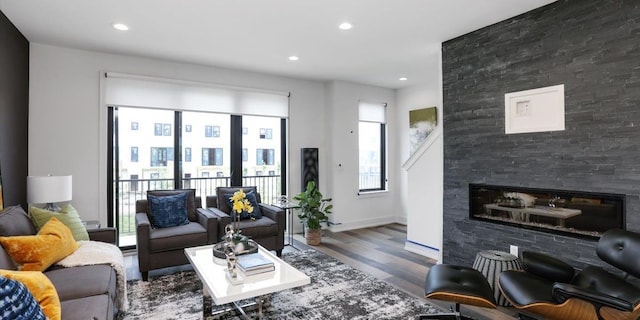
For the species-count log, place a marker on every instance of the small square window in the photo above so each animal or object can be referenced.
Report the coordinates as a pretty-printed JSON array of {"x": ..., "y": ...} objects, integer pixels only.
[
  {"x": 157, "y": 129},
  {"x": 187, "y": 128},
  {"x": 245, "y": 130},
  {"x": 166, "y": 129},
  {"x": 134, "y": 126},
  {"x": 208, "y": 131},
  {"x": 216, "y": 131}
]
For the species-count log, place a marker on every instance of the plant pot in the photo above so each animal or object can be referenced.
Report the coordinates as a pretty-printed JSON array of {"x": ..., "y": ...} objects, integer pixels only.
[{"x": 313, "y": 236}]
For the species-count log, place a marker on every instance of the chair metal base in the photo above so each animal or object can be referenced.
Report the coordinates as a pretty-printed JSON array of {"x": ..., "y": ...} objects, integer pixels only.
[{"x": 453, "y": 315}]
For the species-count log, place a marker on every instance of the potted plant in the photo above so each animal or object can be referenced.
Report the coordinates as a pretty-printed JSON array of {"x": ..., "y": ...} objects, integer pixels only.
[{"x": 313, "y": 210}]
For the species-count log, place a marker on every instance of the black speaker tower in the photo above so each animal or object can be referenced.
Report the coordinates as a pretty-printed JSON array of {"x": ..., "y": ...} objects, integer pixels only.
[{"x": 309, "y": 166}]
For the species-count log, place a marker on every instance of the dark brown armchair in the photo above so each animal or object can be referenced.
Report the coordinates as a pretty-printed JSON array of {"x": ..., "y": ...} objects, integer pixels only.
[
  {"x": 164, "y": 247},
  {"x": 268, "y": 231}
]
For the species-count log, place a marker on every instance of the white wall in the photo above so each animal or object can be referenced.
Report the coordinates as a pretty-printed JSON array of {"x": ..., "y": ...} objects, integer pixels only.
[
  {"x": 67, "y": 125},
  {"x": 65, "y": 117},
  {"x": 354, "y": 211},
  {"x": 421, "y": 188}
]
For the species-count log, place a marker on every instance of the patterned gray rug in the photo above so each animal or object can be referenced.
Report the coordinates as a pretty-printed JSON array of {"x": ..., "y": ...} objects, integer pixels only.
[{"x": 337, "y": 291}]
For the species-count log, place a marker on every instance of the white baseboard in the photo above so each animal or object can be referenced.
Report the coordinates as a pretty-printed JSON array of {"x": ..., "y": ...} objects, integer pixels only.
[
  {"x": 423, "y": 250},
  {"x": 360, "y": 224}
]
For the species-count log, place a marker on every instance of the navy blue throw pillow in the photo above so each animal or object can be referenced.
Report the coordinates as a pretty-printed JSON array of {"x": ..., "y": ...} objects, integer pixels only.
[
  {"x": 168, "y": 211},
  {"x": 251, "y": 196},
  {"x": 17, "y": 302}
]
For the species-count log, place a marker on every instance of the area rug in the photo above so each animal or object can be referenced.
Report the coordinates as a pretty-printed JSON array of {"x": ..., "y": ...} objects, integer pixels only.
[{"x": 337, "y": 291}]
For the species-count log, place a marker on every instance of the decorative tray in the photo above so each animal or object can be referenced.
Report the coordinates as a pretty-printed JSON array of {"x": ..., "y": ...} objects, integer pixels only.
[{"x": 218, "y": 249}]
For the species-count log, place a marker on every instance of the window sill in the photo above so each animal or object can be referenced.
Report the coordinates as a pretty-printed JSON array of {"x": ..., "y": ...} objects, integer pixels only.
[{"x": 372, "y": 194}]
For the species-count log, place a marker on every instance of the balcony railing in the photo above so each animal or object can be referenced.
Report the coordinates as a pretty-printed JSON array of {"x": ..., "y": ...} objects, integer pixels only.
[
  {"x": 129, "y": 191},
  {"x": 369, "y": 180}
]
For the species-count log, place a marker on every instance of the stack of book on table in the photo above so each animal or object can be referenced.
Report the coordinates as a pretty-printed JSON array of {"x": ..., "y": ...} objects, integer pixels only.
[{"x": 254, "y": 263}]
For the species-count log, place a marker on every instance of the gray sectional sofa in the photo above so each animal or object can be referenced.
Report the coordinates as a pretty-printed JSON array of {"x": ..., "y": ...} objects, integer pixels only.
[{"x": 87, "y": 292}]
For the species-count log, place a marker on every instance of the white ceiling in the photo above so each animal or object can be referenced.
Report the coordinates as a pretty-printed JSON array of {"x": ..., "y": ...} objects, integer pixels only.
[{"x": 390, "y": 38}]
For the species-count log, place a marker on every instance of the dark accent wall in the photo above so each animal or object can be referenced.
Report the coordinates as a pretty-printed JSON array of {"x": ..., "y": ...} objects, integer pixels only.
[
  {"x": 14, "y": 112},
  {"x": 593, "y": 48}
]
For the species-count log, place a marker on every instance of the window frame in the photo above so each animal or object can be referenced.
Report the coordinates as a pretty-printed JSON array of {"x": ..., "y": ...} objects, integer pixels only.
[
  {"x": 160, "y": 156},
  {"x": 266, "y": 155},
  {"x": 157, "y": 129},
  {"x": 383, "y": 153},
  {"x": 134, "y": 154},
  {"x": 214, "y": 157}
]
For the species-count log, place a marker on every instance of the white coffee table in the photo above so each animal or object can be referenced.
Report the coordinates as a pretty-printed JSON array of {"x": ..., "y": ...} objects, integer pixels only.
[{"x": 217, "y": 289}]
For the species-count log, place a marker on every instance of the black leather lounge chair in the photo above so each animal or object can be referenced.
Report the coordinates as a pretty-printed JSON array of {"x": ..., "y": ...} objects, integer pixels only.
[
  {"x": 460, "y": 285},
  {"x": 548, "y": 287}
]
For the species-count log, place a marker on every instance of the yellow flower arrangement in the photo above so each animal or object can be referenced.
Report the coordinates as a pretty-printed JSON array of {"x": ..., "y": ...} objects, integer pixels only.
[{"x": 240, "y": 202}]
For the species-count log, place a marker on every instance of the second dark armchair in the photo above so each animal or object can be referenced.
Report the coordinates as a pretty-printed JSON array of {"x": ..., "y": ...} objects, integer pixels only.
[{"x": 267, "y": 231}]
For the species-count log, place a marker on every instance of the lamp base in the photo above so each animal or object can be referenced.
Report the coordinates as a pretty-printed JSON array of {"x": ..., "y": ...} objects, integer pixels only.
[{"x": 51, "y": 207}]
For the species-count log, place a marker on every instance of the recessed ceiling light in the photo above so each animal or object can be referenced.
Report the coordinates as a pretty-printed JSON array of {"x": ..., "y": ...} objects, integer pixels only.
[
  {"x": 403, "y": 79},
  {"x": 294, "y": 58},
  {"x": 120, "y": 26},
  {"x": 345, "y": 26}
]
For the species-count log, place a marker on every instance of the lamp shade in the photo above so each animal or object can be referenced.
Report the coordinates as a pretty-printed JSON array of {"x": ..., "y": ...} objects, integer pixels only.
[{"x": 49, "y": 189}]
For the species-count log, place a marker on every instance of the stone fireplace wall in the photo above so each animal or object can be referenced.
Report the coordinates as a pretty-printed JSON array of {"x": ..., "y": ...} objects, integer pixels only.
[{"x": 592, "y": 48}]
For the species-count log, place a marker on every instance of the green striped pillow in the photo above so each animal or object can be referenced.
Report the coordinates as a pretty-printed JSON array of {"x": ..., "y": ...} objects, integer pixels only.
[{"x": 68, "y": 216}]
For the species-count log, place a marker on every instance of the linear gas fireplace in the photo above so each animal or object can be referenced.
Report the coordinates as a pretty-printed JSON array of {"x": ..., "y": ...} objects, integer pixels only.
[{"x": 573, "y": 213}]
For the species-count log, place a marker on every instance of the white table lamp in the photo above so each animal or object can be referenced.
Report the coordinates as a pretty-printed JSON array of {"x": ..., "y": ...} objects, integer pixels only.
[{"x": 49, "y": 190}]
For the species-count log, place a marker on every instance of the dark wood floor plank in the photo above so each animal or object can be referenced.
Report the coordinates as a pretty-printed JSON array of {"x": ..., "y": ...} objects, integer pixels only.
[
  {"x": 390, "y": 232},
  {"x": 369, "y": 239},
  {"x": 409, "y": 256}
]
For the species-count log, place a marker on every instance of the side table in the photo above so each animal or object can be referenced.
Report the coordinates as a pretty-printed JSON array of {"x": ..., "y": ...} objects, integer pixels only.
[
  {"x": 491, "y": 263},
  {"x": 288, "y": 207},
  {"x": 91, "y": 224}
]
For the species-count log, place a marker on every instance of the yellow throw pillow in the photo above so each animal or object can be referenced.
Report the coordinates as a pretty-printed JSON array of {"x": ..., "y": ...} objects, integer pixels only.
[
  {"x": 36, "y": 253},
  {"x": 41, "y": 288},
  {"x": 68, "y": 215}
]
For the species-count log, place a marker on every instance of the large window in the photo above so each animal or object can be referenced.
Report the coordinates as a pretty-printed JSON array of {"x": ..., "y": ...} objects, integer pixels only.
[
  {"x": 187, "y": 124},
  {"x": 371, "y": 146}
]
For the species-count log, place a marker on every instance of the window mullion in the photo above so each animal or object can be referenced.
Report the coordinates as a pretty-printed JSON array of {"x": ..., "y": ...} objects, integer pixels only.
[
  {"x": 177, "y": 150},
  {"x": 236, "y": 150},
  {"x": 383, "y": 156}
]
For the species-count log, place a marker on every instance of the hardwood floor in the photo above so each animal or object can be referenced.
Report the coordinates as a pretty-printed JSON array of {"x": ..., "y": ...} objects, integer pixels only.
[{"x": 377, "y": 251}]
